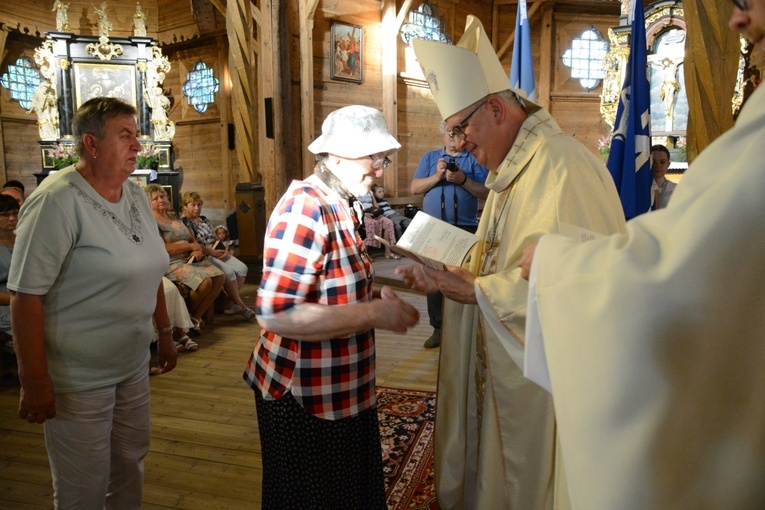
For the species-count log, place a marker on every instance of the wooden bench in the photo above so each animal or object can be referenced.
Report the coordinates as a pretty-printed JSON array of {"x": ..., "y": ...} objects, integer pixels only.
[{"x": 400, "y": 202}]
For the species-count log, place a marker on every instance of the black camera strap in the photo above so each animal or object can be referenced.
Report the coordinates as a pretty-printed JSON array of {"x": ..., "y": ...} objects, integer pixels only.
[{"x": 443, "y": 201}]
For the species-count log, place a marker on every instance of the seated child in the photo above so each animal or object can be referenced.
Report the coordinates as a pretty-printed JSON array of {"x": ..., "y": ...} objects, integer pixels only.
[
  {"x": 221, "y": 233},
  {"x": 399, "y": 220},
  {"x": 376, "y": 224}
]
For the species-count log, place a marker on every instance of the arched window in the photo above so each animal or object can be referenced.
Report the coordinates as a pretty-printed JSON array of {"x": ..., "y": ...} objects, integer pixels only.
[
  {"x": 200, "y": 87},
  {"x": 585, "y": 58},
  {"x": 22, "y": 80}
]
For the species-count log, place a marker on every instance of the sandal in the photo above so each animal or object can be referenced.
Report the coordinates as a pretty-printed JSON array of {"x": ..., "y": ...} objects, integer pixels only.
[
  {"x": 186, "y": 344},
  {"x": 249, "y": 315},
  {"x": 393, "y": 256},
  {"x": 197, "y": 325}
]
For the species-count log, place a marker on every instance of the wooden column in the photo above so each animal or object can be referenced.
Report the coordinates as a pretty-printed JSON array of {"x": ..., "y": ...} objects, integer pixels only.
[
  {"x": 3, "y": 169},
  {"x": 391, "y": 24},
  {"x": 243, "y": 94},
  {"x": 225, "y": 120},
  {"x": 711, "y": 63},
  {"x": 546, "y": 58},
  {"x": 307, "y": 11}
]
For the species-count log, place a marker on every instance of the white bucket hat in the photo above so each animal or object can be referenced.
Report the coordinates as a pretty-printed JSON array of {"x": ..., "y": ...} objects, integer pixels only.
[
  {"x": 354, "y": 132},
  {"x": 461, "y": 75}
]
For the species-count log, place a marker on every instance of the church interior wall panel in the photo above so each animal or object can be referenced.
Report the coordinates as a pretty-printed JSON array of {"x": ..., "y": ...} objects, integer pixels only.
[
  {"x": 21, "y": 159},
  {"x": 198, "y": 137},
  {"x": 567, "y": 28},
  {"x": 418, "y": 132},
  {"x": 579, "y": 117}
]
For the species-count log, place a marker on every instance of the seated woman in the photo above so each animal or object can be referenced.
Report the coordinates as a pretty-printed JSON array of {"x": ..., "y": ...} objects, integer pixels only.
[
  {"x": 188, "y": 265},
  {"x": 204, "y": 233},
  {"x": 376, "y": 224},
  {"x": 9, "y": 216},
  {"x": 179, "y": 316}
]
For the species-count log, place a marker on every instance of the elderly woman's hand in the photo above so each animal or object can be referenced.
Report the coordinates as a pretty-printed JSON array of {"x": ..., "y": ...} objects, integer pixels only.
[
  {"x": 37, "y": 401},
  {"x": 395, "y": 314}
]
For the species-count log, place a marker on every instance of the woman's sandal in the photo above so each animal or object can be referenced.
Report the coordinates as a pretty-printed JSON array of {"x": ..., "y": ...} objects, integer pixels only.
[
  {"x": 249, "y": 315},
  {"x": 197, "y": 325},
  {"x": 186, "y": 344}
]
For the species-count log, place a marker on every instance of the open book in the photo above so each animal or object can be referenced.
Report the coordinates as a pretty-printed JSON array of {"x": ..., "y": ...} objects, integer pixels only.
[{"x": 433, "y": 242}]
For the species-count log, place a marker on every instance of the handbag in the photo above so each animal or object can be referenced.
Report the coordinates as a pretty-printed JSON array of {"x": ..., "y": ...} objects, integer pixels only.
[{"x": 374, "y": 212}]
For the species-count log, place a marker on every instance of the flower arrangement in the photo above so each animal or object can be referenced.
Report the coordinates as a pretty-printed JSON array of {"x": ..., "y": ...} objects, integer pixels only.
[
  {"x": 148, "y": 156},
  {"x": 604, "y": 146},
  {"x": 63, "y": 155},
  {"x": 682, "y": 143}
]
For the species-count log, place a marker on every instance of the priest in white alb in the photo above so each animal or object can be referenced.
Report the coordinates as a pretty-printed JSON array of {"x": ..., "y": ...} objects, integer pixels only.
[{"x": 495, "y": 444}]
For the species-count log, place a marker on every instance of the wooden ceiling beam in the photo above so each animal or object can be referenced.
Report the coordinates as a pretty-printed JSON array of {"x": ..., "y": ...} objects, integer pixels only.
[{"x": 220, "y": 5}]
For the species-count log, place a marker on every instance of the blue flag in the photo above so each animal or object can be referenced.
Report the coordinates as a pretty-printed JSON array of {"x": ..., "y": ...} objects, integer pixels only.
[
  {"x": 522, "y": 68},
  {"x": 629, "y": 160}
]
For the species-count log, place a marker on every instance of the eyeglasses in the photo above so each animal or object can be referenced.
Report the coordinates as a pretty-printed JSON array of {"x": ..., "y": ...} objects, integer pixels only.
[
  {"x": 458, "y": 131},
  {"x": 378, "y": 162},
  {"x": 741, "y": 5}
]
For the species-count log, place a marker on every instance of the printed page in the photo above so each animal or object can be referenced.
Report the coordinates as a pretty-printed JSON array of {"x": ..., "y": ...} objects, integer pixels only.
[{"x": 433, "y": 242}]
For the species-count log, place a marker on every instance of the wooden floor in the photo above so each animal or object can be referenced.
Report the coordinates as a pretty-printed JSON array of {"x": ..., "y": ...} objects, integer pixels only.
[{"x": 205, "y": 449}]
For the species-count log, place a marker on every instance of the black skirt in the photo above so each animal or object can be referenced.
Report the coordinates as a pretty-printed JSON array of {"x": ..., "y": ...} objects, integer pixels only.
[{"x": 310, "y": 463}]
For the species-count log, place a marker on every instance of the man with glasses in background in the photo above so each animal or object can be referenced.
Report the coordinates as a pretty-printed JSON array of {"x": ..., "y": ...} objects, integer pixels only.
[
  {"x": 452, "y": 182},
  {"x": 495, "y": 443}
]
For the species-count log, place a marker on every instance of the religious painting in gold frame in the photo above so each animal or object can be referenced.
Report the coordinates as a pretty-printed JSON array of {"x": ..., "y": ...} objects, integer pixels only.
[
  {"x": 347, "y": 49},
  {"x": 104, "y": 80}
]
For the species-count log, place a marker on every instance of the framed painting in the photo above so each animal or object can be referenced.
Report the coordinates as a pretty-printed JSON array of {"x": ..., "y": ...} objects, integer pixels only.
[
  {"x": 104, "y": 80},
  {"x": 347, "y": 62}
]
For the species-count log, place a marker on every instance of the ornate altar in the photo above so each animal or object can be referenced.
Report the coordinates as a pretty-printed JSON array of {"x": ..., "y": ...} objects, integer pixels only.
[
  {"x": 75, "y": 68},
  {"x": 665, "y": 36}
]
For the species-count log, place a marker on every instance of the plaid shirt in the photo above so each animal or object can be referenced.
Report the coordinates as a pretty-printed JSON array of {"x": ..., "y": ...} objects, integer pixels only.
[{"x": 313, "y": 254}]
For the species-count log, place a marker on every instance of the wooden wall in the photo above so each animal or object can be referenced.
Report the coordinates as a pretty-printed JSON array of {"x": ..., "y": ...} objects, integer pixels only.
[
  {"x": 201, "y": 150},
  {"x": 418, "y": 118},
  {"x": 576, "y": 109},
  {"x": 201, "y": 141}
]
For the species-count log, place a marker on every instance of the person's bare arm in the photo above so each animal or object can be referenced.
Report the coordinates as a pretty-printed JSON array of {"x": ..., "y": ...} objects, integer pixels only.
[
  {"x": 421, "y": 186},
  {"x": 315, "y": 322},
  {"x": 37, "y": 401},
  {"x": 165, "y": 346}
]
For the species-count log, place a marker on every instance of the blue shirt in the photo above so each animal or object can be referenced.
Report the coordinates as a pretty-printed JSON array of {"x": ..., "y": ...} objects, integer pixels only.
[{"x": 467, "y": 204}]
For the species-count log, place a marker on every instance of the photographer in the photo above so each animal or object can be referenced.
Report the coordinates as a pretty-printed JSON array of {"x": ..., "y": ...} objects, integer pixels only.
[{"x": 452, "y": 183}]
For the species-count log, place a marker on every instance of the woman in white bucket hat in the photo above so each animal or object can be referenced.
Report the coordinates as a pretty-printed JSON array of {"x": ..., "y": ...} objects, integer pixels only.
[{"x": 312, "y": 369}]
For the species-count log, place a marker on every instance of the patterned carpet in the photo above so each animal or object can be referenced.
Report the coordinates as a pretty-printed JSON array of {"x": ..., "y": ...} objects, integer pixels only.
[{"x": 406, "y": 428}]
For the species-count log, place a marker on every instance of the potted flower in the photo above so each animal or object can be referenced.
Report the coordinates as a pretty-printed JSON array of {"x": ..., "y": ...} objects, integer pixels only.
[
  {"x": 148, "y": 156},
  {"x": 682, "y": 146},
  {"x": 604, "y": 146},
  {"x": 63, "y": 155}
]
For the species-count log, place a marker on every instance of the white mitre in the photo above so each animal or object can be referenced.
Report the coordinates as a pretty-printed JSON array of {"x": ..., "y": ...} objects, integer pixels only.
[{"x": 461, "y": 75}]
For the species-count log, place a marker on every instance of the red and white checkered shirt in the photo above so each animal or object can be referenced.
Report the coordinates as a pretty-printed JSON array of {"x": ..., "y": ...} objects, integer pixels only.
[{"x": 313, "y": 254}]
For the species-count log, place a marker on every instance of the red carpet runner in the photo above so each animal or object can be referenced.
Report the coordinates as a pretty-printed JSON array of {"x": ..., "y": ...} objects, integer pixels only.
[{"x": 406, "y": 429}]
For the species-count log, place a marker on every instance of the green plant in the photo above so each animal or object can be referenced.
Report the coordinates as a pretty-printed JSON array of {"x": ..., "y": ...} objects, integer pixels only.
[
  {"x": 148, "y": 156},
  {"x": 63, "y": 155}
]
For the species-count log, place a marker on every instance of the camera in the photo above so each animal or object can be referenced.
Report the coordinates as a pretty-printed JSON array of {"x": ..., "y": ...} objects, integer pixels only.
[{"x": 451, "y": 165}]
